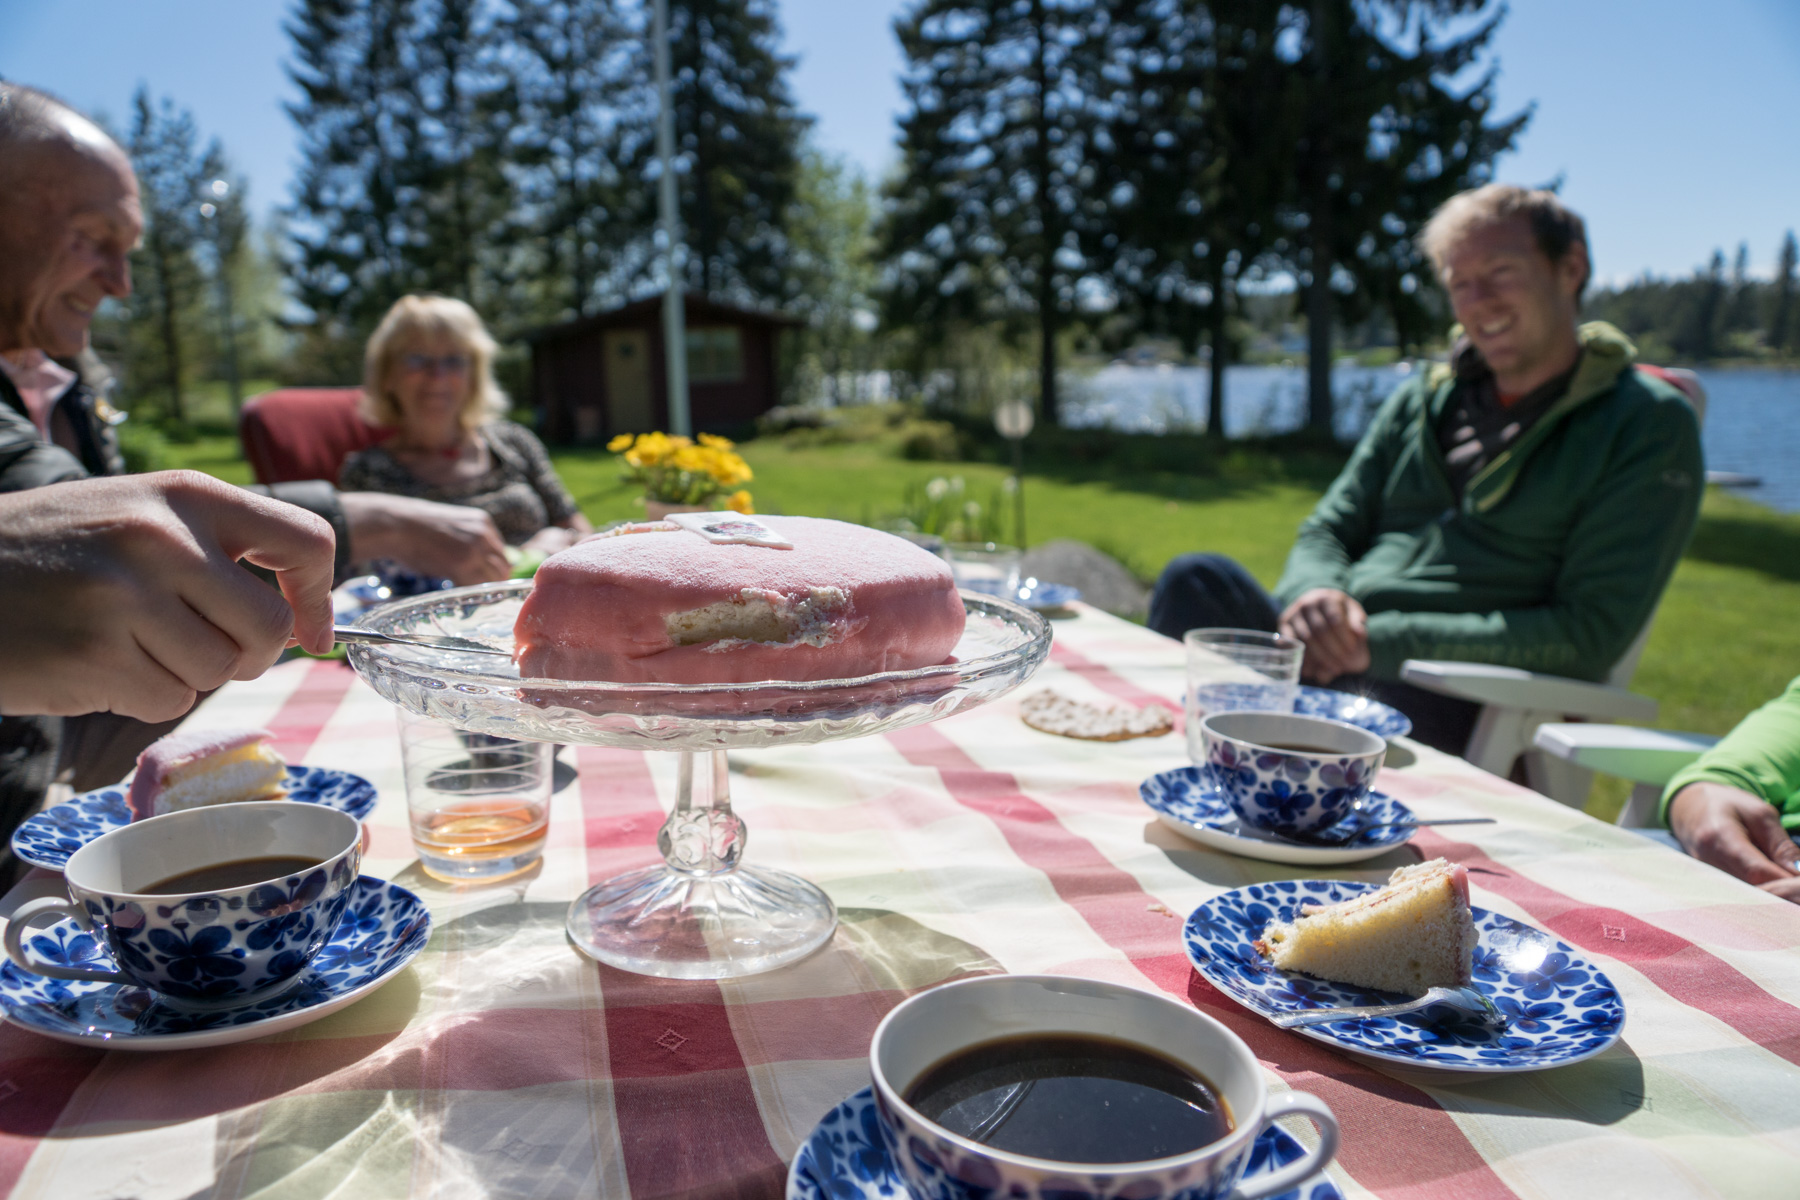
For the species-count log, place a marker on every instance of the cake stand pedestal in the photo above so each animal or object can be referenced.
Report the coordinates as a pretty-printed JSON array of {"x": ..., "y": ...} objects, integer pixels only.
[{"x": 703, "y": 913}]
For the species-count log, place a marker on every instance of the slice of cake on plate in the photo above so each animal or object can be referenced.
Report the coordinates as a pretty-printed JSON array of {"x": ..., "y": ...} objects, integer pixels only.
[
  {"x": 1413, "y": 935},
  {"x": 215, "y": 766}
]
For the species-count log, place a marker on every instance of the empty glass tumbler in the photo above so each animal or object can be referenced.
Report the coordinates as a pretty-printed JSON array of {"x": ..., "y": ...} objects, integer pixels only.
[
  {"x": 986, "y": 567},
  {"x": 1230, "y": 669},
  {"x": 479, "y": 805}
]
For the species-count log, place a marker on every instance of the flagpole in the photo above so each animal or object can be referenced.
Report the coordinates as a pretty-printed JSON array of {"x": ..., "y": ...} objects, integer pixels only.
[{"x": 669, "y": 212}]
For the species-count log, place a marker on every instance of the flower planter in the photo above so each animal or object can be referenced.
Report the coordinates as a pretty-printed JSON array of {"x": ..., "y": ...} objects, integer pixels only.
[{"x": 657, "y": 510}]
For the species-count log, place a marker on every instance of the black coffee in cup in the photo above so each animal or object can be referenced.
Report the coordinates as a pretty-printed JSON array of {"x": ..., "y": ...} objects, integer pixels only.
[
  {"x": 239, "y": 872},
  {"x": 1072, "y": 1098}
]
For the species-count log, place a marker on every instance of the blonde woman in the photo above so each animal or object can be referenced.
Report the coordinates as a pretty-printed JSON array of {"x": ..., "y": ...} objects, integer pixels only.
[{"x": 428, "y": 374}]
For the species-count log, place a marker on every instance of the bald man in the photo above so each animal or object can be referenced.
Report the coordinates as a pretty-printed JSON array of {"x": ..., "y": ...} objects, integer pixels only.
[
  {"x": 125, "y": 596},
  {"x": 69, "y": 218}
]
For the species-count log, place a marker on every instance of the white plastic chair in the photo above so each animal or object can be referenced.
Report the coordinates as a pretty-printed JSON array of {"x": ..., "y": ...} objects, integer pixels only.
[
  {"x": 1649, "y": 758},
  {"x": 1515, "y": 704}
]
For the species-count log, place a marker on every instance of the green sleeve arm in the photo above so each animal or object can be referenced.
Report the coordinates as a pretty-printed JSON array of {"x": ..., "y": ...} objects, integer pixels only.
[
  {"x": 1761, "y": 756},
  {"x": 1617, "y": 560},
  {"x": 1342, "y": 526}
]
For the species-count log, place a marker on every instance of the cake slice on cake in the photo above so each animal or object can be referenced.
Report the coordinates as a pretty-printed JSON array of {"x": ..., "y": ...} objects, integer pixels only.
[
  {"x": 216, "y": 766},
  {"x": 1413, "y": 935}
]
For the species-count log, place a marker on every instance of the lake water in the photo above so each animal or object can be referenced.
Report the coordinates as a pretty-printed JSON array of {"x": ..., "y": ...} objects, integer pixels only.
[{"x": 1752, "y": 418}]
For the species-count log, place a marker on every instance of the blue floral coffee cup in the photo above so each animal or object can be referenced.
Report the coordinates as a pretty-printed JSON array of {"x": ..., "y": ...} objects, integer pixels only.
[
  {"x": 939, "y": 1164},
  {"x": 1289, "y": 774},
  {"x": 221, "y": 946}
]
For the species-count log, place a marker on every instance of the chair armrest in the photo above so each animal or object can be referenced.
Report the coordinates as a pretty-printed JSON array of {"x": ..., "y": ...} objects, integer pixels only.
[
  {"x": 1509, "y": 687},
  {"x": 1640, "y": 755}
]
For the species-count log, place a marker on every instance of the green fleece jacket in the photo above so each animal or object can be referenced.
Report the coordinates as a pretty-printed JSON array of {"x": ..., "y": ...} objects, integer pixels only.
[
  {"x": 1761, "y": 756},
  {"x": 1555, "y": 556}
]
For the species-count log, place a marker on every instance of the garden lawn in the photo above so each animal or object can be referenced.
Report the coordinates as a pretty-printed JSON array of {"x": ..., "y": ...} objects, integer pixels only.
[{"x": 1727, "y": 637}]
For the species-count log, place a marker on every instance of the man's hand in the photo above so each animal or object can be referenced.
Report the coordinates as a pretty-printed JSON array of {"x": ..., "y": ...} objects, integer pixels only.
[
  {"x": 1739, "y": 833},
  {"x": 1335, "y": 631},
  {"x": 442, "y": 541},
  {"x": 126, "y": 594}
]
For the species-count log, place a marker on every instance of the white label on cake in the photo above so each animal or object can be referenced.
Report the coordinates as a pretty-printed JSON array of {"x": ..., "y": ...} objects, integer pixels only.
[{"x": 731, "y": 529}]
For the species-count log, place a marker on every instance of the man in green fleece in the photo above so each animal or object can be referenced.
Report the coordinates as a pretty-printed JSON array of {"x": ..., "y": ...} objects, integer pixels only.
[
  {"x": 1738, "y": 805},
  {"x": 1522, "y": 504}
]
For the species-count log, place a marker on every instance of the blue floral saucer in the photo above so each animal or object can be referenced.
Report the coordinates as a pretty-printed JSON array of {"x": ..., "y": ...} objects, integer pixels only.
[
  {"x": 1185, "y": 801},
  {"x": 1361, "y": 711},
  {"x": 1561, "y": 1008},
  {"x": 384, "y": 926},
  {"x": 47, "y": 839},
  {"x": 845, "y": 1160}
]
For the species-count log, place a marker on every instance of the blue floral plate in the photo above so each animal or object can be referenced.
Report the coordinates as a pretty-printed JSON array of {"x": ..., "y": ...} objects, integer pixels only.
[
  {"x": 49, "y": 838},
  {"x": 1039, "y": 597},
  {"x": 845, "y": 1160},
  {"x": 384, "y": 926},
  {"x": 1361, "y": 711},
  {"x": 1561, "y": 1008},
  {"x": 1185, "y": 801}
]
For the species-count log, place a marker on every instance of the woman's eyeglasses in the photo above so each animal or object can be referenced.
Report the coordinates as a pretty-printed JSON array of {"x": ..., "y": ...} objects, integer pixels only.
[{"x": 449, "y": 364}]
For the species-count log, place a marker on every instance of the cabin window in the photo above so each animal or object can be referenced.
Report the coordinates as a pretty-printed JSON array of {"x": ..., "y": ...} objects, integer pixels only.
[{"x": 715, "y": 354}]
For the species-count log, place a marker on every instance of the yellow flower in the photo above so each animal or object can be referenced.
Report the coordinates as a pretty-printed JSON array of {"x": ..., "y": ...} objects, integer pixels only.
[
  {"x": 739, "y": 501},
  {"x": 715, "y": 441},
  {"x": 622, "y": 442}
]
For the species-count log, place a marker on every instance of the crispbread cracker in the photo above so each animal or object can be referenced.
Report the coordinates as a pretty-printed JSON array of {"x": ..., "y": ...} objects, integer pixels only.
[{"x": 1109, "y": 721}]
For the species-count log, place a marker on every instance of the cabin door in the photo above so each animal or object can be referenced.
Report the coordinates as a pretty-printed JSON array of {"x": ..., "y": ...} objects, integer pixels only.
[{"x": 628, "y": 381}]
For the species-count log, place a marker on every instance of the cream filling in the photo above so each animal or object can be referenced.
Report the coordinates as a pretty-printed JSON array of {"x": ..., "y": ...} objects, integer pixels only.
[
  {"x": 819, "y": 618},
  {"x": 247, "y": 773}
]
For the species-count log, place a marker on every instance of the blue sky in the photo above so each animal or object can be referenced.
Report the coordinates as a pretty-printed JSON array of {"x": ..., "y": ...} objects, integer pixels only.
[{"x": 1674, "y": 124}]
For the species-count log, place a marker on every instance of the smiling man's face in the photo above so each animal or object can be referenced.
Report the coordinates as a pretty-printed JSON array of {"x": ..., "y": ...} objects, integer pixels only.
[
  {"x": 1517, "y": 305},
  {"x": 66, "y": 234}
]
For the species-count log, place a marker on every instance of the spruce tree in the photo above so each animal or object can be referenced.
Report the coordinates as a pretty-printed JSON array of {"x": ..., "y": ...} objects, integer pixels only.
[
  {"x": 1781, "y": 322},
  {"x": 1700, "y": 338},
  {"x": 167, "y": 309},
  {"x": 1196, "y": 155},
  {"x": 403, "y": 116},
  {"x": 353, "y": 219},
  {"x": 1384, "y": 141},
  {"x": 465, "y": 106},
  {"x": 1740, "y": 308},
  {"x": 986, "y": 220},
  {"x": 738, "y": 134},
  {"x": 584, "y": 102}
]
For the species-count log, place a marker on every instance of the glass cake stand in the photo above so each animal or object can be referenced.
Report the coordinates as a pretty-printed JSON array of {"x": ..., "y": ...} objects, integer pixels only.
[{"x": 702, "y": 913}]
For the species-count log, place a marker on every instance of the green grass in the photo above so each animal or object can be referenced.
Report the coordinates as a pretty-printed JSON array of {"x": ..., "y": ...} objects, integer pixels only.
[{"x": 1725, "y": 639}]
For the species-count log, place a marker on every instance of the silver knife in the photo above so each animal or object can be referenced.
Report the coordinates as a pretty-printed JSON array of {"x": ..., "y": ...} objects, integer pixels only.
[{"x": 428, "y": 641}]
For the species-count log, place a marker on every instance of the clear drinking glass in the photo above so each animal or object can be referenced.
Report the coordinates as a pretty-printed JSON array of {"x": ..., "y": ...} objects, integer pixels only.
[
  {"x": 1230, "y": 669},
  {"x": 479, "y": 805},
  {"x": 986, "y": 567}
]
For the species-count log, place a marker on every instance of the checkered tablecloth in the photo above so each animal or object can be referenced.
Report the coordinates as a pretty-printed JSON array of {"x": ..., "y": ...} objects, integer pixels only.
[{"x": 504, "y": 1064}]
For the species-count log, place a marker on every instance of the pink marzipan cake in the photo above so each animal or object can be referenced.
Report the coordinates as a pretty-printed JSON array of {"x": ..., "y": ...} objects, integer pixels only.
[
  {"x": 214, "y": 766},
  {"x": 655, "y": 603}
]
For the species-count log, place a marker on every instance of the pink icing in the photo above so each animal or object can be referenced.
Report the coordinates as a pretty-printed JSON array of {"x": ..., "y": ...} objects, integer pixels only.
[
  {"x": 597, "y": 610},
  {"x": 178, "y": 750}
]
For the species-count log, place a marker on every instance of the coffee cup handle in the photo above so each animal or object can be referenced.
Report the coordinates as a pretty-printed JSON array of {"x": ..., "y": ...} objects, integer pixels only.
[
  {"x": 1291, "y": 1176},
  {"x": 15, "y": 937}
]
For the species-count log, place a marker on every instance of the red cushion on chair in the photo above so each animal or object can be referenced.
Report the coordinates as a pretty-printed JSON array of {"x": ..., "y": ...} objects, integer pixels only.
[{"x": 303, "y": 433}]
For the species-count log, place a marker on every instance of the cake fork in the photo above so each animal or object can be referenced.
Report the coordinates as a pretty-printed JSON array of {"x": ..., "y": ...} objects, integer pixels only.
[
  {"x": 1465, "y": 1000},
  {"x": 430, "y": 641}
]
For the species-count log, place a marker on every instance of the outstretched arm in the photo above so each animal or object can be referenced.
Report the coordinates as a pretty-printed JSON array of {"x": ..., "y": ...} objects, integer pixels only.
[{"x": 126, "y": 594}]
